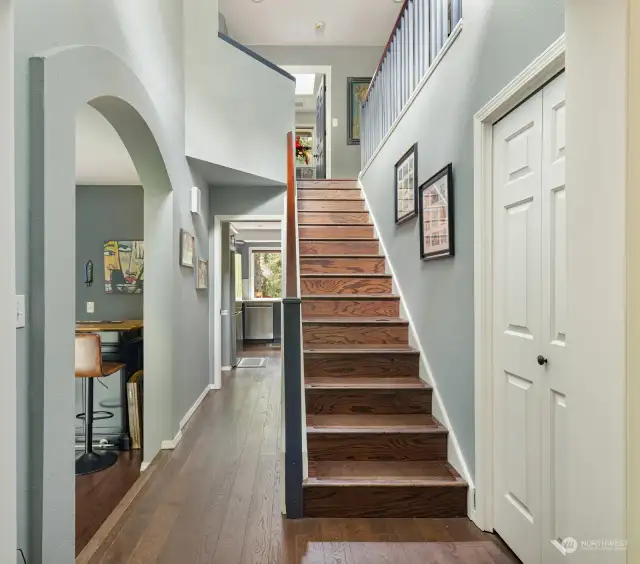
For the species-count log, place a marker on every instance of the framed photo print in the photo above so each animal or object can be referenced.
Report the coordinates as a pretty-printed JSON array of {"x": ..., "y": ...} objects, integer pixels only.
[
  {"x": 187, "y": 249},
  {"x": 202, "y": 279},
  {"x": 356, "y": 92},
  {"x": 436, "y": 215},
  {"x": 406, "y": 185}
]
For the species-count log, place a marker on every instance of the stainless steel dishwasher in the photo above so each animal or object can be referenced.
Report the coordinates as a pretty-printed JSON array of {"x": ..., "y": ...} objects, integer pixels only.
[{"x": 258, "y": 321}]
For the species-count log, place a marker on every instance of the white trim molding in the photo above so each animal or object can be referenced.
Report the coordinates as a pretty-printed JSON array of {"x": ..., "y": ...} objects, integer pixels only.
[
  {"x": 144, "y": 466},
  {"x": 194, "y": 407},
  {"x": 171, "y": 443},
  {"x": 531, "y": 79}
]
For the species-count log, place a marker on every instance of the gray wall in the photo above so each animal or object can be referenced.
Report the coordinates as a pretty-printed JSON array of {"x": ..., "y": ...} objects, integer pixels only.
[
  {"x": 345, "y": 62},
  {"x": 499, "y": 38},
  {"x": 104, "y": 213},
  {"x": 305, "y": 118},
  {"x": 247, "y": 200}
]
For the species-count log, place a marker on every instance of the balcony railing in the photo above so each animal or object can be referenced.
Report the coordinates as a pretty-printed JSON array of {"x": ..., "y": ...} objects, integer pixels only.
[{"x": 418, "y": 37}]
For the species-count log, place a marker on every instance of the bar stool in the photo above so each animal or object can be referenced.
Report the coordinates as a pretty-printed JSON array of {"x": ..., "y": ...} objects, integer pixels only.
[{"x": 89, "y": 365}]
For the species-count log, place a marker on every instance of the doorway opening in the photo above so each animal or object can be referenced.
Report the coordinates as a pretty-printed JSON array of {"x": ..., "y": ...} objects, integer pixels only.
[
  {"x": 313, "y": 120},
  {"x": 248, "y": 266},
  {"x": 109, "y": 293}
]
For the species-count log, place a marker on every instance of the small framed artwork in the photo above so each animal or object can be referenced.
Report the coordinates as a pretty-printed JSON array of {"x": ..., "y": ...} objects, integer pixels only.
[
  {"x": 406, "y": 185},
  {"x": 202, "y": 278},
  {"x": 356, "y": 93},
  {"x": 436, "y": 215},
  {"x": 187, "y": 249}
]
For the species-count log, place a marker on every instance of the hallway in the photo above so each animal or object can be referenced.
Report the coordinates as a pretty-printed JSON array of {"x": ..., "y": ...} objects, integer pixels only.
[{"x": 216, "y": 499}]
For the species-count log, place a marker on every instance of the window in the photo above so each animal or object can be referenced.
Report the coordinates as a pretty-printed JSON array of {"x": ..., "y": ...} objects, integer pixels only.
[{"x": 266, "y": 273}]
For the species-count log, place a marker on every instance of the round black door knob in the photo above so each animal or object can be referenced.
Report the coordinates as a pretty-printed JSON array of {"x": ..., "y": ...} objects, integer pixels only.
[{"x": 542, "y": 360}]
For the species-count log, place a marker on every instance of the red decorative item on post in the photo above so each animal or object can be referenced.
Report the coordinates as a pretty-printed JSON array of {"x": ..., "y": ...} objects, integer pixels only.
[{"x": 301, "y": 150}]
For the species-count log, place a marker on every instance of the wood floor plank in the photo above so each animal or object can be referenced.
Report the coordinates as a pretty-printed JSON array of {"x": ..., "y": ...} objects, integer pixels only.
[{"x": 217, "y": 498}]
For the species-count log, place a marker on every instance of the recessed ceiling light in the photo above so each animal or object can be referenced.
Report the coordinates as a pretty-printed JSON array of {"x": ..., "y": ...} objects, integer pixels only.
[
  {"x": 258, "y": 1},
  {"x": 320, "y": 25}
]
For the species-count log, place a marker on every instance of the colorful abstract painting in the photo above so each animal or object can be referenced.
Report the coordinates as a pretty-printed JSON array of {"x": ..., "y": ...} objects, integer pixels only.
[{"x": 123, "y": 267}]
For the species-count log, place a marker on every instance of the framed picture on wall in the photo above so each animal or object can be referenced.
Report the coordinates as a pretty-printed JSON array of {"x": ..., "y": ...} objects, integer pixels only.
[
  {"x": 202, "y": 276},
  {"x": 436, "y": 215},
  {"x": 356, "y": 93},
  {"x": 406, "y": 185},
  {"x": 187, "y": 249},
  {"x": 123, "y": 267}
]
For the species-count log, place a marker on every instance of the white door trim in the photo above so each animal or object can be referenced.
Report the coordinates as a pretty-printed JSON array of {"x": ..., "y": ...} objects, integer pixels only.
[
  {"x": 215, "y": 241},
  {"x": 531, "y": 79}
]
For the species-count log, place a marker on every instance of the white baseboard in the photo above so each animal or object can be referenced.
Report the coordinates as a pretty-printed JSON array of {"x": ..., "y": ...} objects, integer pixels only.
[
  {"x": 172, "y": 443},
  {"x": 144, "y": 466},
  {"x": 454, "y": 452},
  {"x": 226, "y": 368},
  {"x": 193, "y": 408},
  {"x": 214, "y": 387}
]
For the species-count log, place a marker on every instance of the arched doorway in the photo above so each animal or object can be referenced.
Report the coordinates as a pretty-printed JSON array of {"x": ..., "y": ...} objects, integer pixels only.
[{"x": 61, "y": 82}]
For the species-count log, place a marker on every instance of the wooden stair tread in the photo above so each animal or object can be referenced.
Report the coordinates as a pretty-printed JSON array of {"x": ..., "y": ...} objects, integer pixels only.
[
  {"x": 356, "y": 321},
  {"x": 388, "y": 473},
  {"x": 304, "y": 224},
  {"x": 363, "y": 383},
  {"x": 351, "y": 256},
  {"x": 335, "y": 239},
  {"x": 351, "y": 297},
  {"x": 362, "y": 349},
  {"x": 344, "y": 274},
  {"x": 365, "y": 423}
]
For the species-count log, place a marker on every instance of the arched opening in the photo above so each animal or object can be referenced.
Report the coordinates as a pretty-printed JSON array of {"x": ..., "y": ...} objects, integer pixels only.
[{"x": 120, "y": 99}]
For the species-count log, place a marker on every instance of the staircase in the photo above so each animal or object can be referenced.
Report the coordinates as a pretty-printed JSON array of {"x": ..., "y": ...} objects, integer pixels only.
[{"x": 374, "y": 447}]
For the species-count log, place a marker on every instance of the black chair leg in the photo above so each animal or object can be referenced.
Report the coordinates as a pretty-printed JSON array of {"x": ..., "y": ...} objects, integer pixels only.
[{"x": 91, "y": 461}]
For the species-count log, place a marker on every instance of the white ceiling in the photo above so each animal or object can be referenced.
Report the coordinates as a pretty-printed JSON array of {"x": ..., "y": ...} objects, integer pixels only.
[
  {"x": 292, "y": 22},
  {"x": 101, "y": 157}
]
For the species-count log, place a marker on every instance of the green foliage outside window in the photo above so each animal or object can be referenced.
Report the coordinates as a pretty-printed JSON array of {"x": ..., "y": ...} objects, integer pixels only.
[{"x": 267, "y": 274}]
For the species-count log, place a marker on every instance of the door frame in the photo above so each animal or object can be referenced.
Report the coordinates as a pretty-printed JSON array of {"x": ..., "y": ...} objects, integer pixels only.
[
  {"x": 550, "y": 63},
  {"x": 215, "y": 258},
  {"x": 326, "y": 70}
]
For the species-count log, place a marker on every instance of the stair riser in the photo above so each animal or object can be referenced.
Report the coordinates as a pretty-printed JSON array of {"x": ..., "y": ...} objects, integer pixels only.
[
  {"x": 327, "y": 184},
  {"x": 387, "y": 365},
  {"x": 339, "y": 247},
  {"x": 329, "y": 195},
  {"x": 333, "y": 334},
  {"x": 331, "y": 205},
  {"x": 335, "y": 231},
  {"x": 326, "y": 286},
  {"x": 377, "y": 446},
  {"x": 337, "y": 218},
  {"x": 350, "y": 308},
  {"x": 385, "y": 501},
  {"x": 347, "y": 265},
  {"x": 379, "y": 402}
]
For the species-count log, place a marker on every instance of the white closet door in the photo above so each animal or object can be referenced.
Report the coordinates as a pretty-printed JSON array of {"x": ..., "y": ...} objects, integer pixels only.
[
  {"x": 517, "y": 162},
  {"x": 554, "y": 321}
]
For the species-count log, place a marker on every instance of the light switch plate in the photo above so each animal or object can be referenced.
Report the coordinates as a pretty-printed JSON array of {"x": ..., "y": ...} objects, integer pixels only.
[
  {"x": 91, "y": 307},
  {"x": 224, "y": 312},
  {"x": 334, "y": 121},
  {"x": 21, "y": 315}
]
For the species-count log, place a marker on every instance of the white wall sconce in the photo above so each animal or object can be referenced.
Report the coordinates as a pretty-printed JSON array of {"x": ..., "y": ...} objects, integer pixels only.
[{"x": 196, "y": 200}]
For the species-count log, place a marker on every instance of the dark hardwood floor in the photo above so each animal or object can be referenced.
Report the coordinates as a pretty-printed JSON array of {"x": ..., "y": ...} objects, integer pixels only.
[
  {"x": 216, "y": 500},
  {"x": 98, "y": 494}
]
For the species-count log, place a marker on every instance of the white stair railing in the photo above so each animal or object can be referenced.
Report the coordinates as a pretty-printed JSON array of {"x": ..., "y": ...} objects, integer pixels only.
[{"x": 418, "y": 36}]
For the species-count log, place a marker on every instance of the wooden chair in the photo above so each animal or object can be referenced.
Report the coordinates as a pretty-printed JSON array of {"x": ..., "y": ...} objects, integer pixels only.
[{"x": 89, "y": 365}]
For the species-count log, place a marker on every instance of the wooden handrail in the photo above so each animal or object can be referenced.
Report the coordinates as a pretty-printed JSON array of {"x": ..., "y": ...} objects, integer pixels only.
[
  {"x": 291, "y": 279},
  {"x": 386, "y": 47}
]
